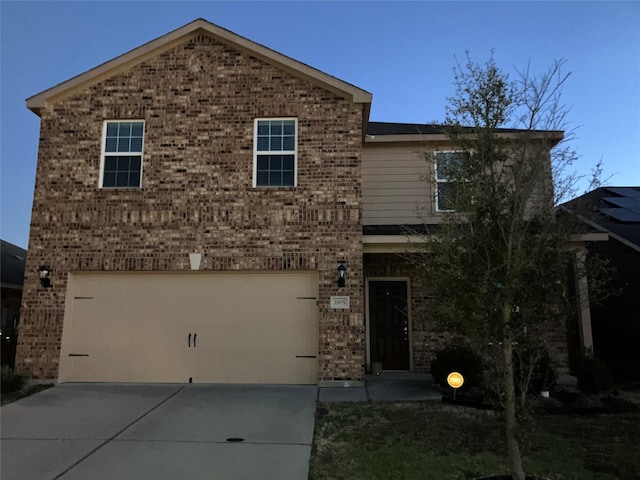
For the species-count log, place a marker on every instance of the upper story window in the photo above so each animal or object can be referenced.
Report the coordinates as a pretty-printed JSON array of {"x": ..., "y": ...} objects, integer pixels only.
[
  {"x": 446, "y": 188},
  {"x": 275, "y": 152},
  {"x": 122, "y": 154}
]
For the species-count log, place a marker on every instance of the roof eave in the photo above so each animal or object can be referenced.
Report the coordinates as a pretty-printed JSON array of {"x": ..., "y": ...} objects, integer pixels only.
[
  {"x": 40, "y": 101},
  {"x": 554, "y": 137},
  {"x": 406, "y": 138}
]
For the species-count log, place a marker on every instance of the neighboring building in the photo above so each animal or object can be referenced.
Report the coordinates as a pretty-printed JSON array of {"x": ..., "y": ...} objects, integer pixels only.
[
  {"x": 615, "y": 320},
  {"x": 12, "y": 261},
  {"x": 194, "y": 199}
]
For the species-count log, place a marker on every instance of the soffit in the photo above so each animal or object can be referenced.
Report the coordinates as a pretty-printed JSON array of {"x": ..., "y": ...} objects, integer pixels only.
[{"x": 149, "y": 50}]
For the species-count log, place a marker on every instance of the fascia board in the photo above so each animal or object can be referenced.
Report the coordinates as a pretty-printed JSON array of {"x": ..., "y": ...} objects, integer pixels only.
[
  {"x": 392, "y": 243},
  {"x": 329, "y": 82},
  {"x": 371, "y": 239},
  {"x": 123, "y": 62},
  {"x": 407, "y": 138},
  {"x": 554, "y": 137}
]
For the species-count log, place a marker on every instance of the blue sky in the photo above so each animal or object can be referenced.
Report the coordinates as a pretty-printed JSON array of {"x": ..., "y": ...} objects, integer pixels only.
[{"x": 402, "y": 52}]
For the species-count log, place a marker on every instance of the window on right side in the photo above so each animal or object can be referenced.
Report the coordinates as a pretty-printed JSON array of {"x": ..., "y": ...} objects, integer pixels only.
[
  {"x": 122, "y": 154},
  {"x": 446, "y": 164},
  {"x": 275, "y": 152}
]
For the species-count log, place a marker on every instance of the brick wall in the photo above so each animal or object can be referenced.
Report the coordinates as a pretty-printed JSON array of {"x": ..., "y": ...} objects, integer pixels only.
[
  {"x": 197, "y": 193},
  {"x": 427, "y": 338}
]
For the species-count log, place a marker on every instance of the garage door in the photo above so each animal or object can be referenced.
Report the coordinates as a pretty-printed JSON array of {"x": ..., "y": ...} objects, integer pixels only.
[{"x": 210, "y": 328}]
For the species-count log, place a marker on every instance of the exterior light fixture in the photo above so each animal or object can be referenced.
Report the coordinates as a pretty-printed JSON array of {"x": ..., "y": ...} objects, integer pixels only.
[
  {"x": 44, "y": 272},
  {"x": 342, "y": 274}
]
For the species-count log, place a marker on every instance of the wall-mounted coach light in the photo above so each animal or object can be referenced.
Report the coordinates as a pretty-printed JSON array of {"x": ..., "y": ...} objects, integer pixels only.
[
  {"x": 44, "y": 273},
  {"x": 342, "y": 275}
]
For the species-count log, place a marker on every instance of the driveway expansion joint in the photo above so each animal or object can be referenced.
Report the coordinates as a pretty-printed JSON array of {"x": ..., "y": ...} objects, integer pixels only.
[
  {"x": 120, "y": 432},
  {"x": 212, "y": 442}
]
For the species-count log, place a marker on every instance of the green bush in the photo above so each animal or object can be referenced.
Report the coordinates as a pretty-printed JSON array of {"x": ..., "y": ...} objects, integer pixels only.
[
  {"x": 594, "y": 376},
  {"x": 461, "y": 358},
  {"x": 11, "y": 381}
]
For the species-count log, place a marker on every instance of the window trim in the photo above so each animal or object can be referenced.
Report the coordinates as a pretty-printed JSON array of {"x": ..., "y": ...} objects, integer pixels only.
[
  {"x": 438, "y": 181},
  {"x": 104, "y": 153},
  {"x": 257, "y": 152}
]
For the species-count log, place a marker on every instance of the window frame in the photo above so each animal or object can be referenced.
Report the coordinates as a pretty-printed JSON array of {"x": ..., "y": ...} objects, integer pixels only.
[
  {"x": 257, "y": 152},
  {"x": 104, "y": 154},
  {"x": 439, "y": 181}
]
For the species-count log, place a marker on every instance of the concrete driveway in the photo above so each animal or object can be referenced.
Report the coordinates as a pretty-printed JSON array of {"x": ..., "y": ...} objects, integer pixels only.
[{"x": 125, "y": 431}]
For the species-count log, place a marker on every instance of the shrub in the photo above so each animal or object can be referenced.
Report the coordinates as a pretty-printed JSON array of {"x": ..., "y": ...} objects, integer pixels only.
[
  {"x": 458, "y": 357},
  {"x": 11, "y": 381},
  {"x": 594, "y": 376},
  {"x": 543, "y": 374}
]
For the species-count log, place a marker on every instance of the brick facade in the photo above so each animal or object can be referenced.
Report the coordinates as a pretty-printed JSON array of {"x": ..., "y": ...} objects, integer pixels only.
[
  {"x": 199, "y": 100},
  {"x": 427, "y": 338},
  {"x": 199, "y": 94}
]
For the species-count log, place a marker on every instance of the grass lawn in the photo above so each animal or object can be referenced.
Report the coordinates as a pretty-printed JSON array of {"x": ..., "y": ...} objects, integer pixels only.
[{"x": 432, "y": 440}]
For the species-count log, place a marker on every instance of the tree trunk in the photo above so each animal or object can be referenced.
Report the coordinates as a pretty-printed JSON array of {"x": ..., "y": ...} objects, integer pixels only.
[{"x": 511, "y": 430}]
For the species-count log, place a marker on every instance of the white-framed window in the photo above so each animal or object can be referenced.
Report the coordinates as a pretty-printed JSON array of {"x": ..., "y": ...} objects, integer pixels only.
[
  {"x": 275, "y": 152},
  {"x": 122, "y": 145},
  {"x": 446, "y": 189}
]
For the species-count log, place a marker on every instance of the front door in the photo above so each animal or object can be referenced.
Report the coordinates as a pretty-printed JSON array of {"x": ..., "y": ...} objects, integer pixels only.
[{"x": 389, "y": 324}]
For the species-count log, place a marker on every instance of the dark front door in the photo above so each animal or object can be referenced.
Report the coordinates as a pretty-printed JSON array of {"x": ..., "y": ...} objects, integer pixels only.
[{"x": 389, "y": 324}]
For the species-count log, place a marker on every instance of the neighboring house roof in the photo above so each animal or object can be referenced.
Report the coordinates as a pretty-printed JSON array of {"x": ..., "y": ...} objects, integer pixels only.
[
  {"x": 615, "y": 210},
  {"x": 12, "y": 262},
  {"x": 200, "y": 26}
]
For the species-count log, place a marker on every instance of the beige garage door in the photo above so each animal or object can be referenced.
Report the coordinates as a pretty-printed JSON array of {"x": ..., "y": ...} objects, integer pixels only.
[{"x": 211, "y": 328}]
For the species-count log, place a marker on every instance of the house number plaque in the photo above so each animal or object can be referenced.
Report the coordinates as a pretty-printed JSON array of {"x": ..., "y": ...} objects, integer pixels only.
[{"x": 339, "y": 302}]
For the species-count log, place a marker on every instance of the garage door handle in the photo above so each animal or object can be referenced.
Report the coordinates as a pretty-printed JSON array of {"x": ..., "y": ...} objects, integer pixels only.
[
  {"x": 194, "y": 339},
  {"x": 189, "y": 340}
]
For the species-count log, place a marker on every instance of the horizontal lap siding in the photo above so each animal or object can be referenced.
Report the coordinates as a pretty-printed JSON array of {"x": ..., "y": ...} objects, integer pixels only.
[{"x": 395, "y": 186}]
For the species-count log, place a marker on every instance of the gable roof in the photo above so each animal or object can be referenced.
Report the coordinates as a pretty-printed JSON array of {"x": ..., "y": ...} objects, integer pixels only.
[
  {"x": 615, "y": 210},
  {"x": 346, "y": 90},
  {"x": 12, "y": 262}
]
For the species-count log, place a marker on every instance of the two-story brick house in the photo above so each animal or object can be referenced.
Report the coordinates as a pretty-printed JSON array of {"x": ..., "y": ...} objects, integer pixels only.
[{"x": 194, "y": 200}]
